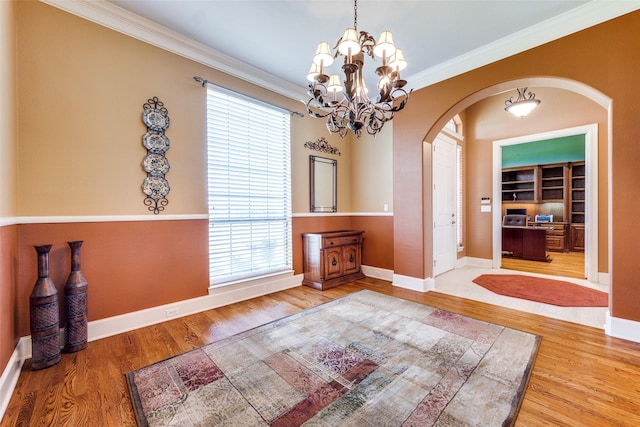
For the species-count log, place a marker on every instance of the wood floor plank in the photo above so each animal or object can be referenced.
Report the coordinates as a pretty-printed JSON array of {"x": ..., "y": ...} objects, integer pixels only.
[
  {"x": 580, "y": 377},
  {"x": 565, "y": 264}
]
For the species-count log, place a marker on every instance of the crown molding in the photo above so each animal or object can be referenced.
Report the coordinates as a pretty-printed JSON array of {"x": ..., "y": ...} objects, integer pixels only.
[
  {"x": 118, "y": 19},
  {"x": 123, "y": 21},
  {"x": 590, "y": 14}
]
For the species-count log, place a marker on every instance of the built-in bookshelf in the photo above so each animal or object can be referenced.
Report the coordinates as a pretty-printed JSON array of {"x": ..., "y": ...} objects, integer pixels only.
[
  {"x": 557, "y": 189},
  {"x": 519, "y": 184},
  {"x": 577, "y": 203},
  {"x": 537, "y": 184},
  {"x": 553, "y": 182}
]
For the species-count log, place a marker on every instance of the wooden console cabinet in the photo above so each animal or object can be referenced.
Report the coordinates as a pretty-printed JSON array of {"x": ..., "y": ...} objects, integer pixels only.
[{"x": 331, "y": 258}]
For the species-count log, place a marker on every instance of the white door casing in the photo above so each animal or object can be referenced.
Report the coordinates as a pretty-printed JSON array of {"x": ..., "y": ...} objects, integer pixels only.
[{"x": 591, "y": 197}]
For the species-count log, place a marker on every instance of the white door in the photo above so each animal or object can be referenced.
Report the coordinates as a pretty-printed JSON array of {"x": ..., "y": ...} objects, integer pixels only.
[{"x": 444, "y": 204}]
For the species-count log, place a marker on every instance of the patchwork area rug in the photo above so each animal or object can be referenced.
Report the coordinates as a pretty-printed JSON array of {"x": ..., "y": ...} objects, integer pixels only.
[
  {"x": 539, "y": 289},
  {"x": 366, "y": 359}
]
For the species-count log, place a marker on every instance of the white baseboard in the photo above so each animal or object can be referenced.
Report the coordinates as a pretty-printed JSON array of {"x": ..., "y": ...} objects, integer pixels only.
[
  {"x": 603, "y": 278},
  {"x": 622, "y": 328},
  {"x": 414, "y": 283},
  {"x": 11, "y": 373},
  {"x": 217, "y": 297},
  {"x": 474, "y": 262},
  {"x": 378, "y": 273}
]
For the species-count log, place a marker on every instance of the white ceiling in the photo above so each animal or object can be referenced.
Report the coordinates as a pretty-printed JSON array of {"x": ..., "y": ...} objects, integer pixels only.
[{"x": 274, "y": 40}]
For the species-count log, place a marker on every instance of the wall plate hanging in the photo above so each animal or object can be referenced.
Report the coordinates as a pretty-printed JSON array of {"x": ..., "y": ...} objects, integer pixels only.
[
  {"x": 321, "y": 144},
  {"x": 155, "y": 186}
]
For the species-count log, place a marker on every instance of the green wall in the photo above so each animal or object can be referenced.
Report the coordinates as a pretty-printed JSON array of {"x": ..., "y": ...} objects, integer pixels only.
[{"x": 556, "y": 150}]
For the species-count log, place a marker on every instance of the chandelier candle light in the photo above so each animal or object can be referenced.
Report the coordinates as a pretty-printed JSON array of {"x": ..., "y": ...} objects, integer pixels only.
[
  {"x": 349, "y": 107},
  {"x": 522, "y": 106}
]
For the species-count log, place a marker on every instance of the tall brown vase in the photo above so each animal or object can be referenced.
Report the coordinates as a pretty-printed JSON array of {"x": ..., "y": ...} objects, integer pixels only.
[
  {"x": 44, "y": 316},
  {"x": 75, "y": 304}
]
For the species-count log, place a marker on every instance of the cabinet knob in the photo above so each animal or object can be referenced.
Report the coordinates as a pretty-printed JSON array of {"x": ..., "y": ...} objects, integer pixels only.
[
  {"x": 334, "y": 262},
  {"x": 351, "y": 258}
]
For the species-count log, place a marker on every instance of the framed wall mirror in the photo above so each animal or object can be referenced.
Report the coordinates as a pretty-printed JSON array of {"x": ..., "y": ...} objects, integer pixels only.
[{"x": 323, "y": 184}]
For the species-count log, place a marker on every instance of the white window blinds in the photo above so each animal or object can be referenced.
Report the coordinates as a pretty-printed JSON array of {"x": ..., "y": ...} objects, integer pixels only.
[{"x": 249, "y": 187}]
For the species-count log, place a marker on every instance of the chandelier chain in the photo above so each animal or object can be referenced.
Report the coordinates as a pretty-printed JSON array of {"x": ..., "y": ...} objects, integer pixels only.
[{"x": 355, "y": 15}]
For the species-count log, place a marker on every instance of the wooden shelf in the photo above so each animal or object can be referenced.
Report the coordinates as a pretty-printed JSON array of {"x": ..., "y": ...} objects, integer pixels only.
[
  {"x": 577, "y": 194},
  {"x": 535, "y": 184},
  {"x": 553, "y": 183},
  {"x": 519, "y": 184}
]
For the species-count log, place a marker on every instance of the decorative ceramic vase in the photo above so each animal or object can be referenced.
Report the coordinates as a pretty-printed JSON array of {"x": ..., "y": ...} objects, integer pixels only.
[
  {"x": 44, "y": 315},
  {"x": 75, "y": 304}
]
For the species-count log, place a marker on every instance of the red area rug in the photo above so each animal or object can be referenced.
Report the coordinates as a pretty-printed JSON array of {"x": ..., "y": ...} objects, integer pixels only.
[{"x": 548, "y": 291}]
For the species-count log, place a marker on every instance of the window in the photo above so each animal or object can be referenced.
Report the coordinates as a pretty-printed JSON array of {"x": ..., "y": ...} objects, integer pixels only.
[
  {"x": 249, "y": 187},
  {"x": 454, "y": 127},
  {"x": 451, "y": 126}
]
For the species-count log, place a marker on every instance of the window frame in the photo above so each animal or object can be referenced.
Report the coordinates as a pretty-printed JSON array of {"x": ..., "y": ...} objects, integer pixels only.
[{"x": 245, "y": 209}]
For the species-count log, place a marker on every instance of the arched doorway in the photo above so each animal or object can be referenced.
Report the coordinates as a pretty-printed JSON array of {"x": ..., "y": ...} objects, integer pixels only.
[{"x": 473, "y": 201}]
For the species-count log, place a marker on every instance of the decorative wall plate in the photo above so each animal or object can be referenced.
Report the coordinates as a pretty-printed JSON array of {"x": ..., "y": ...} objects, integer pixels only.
[
  {"x": 155, "y": 119},
  {"x": 155, "y": 187},
  {"x": 155, "y": 142},
  {"x": 156, "y": 165}
]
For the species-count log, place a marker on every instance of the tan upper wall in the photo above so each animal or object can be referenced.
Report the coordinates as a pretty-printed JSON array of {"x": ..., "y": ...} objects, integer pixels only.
[
  {"x": 313, "y": 130},
  {"x": 486, "y": 121},
  {"x": 81, "y": 92},
  {"x": 8, "y": 117},
  {"x": 372, "y": 172}
]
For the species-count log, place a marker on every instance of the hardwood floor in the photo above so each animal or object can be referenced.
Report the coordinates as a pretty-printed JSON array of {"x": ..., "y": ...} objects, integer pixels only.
[
  {"x": 581, "y": 376},
  {"x": 567, "y": 264}
]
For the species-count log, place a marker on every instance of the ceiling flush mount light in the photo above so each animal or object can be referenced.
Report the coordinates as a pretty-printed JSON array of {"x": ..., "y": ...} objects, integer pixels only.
[
  {"x": 522, "y": 106},
  {"x": 346, "y": 104}
]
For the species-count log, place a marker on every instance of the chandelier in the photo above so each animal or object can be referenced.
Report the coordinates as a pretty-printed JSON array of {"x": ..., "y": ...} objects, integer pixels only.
[
  {"x": 522, "y": 106},
  {"x": 346, "y": 103}
]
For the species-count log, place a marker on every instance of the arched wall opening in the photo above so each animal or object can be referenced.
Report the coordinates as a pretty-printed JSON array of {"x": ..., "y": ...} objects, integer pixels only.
[
  {"x": 578, "y": 88},
  {"x": 592, "y": 61}
]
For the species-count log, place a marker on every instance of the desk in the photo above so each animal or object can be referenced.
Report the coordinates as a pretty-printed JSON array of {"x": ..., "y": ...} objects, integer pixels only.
[{"x": 528, "y": 243}]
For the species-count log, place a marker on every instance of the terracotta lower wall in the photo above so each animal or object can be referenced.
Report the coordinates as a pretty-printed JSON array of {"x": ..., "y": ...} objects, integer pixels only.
[
  {"x": 377, "y": 249},
  {"x": 8, "y": 268},
  {"x": 129, "y": 266}
]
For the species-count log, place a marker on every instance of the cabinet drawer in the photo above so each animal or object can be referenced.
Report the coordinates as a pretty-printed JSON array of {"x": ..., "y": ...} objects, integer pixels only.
[
  {"x": 328, "y": 242},
  {"x": 556, "y": 232},
  {"x": 555, "y": 243}
]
